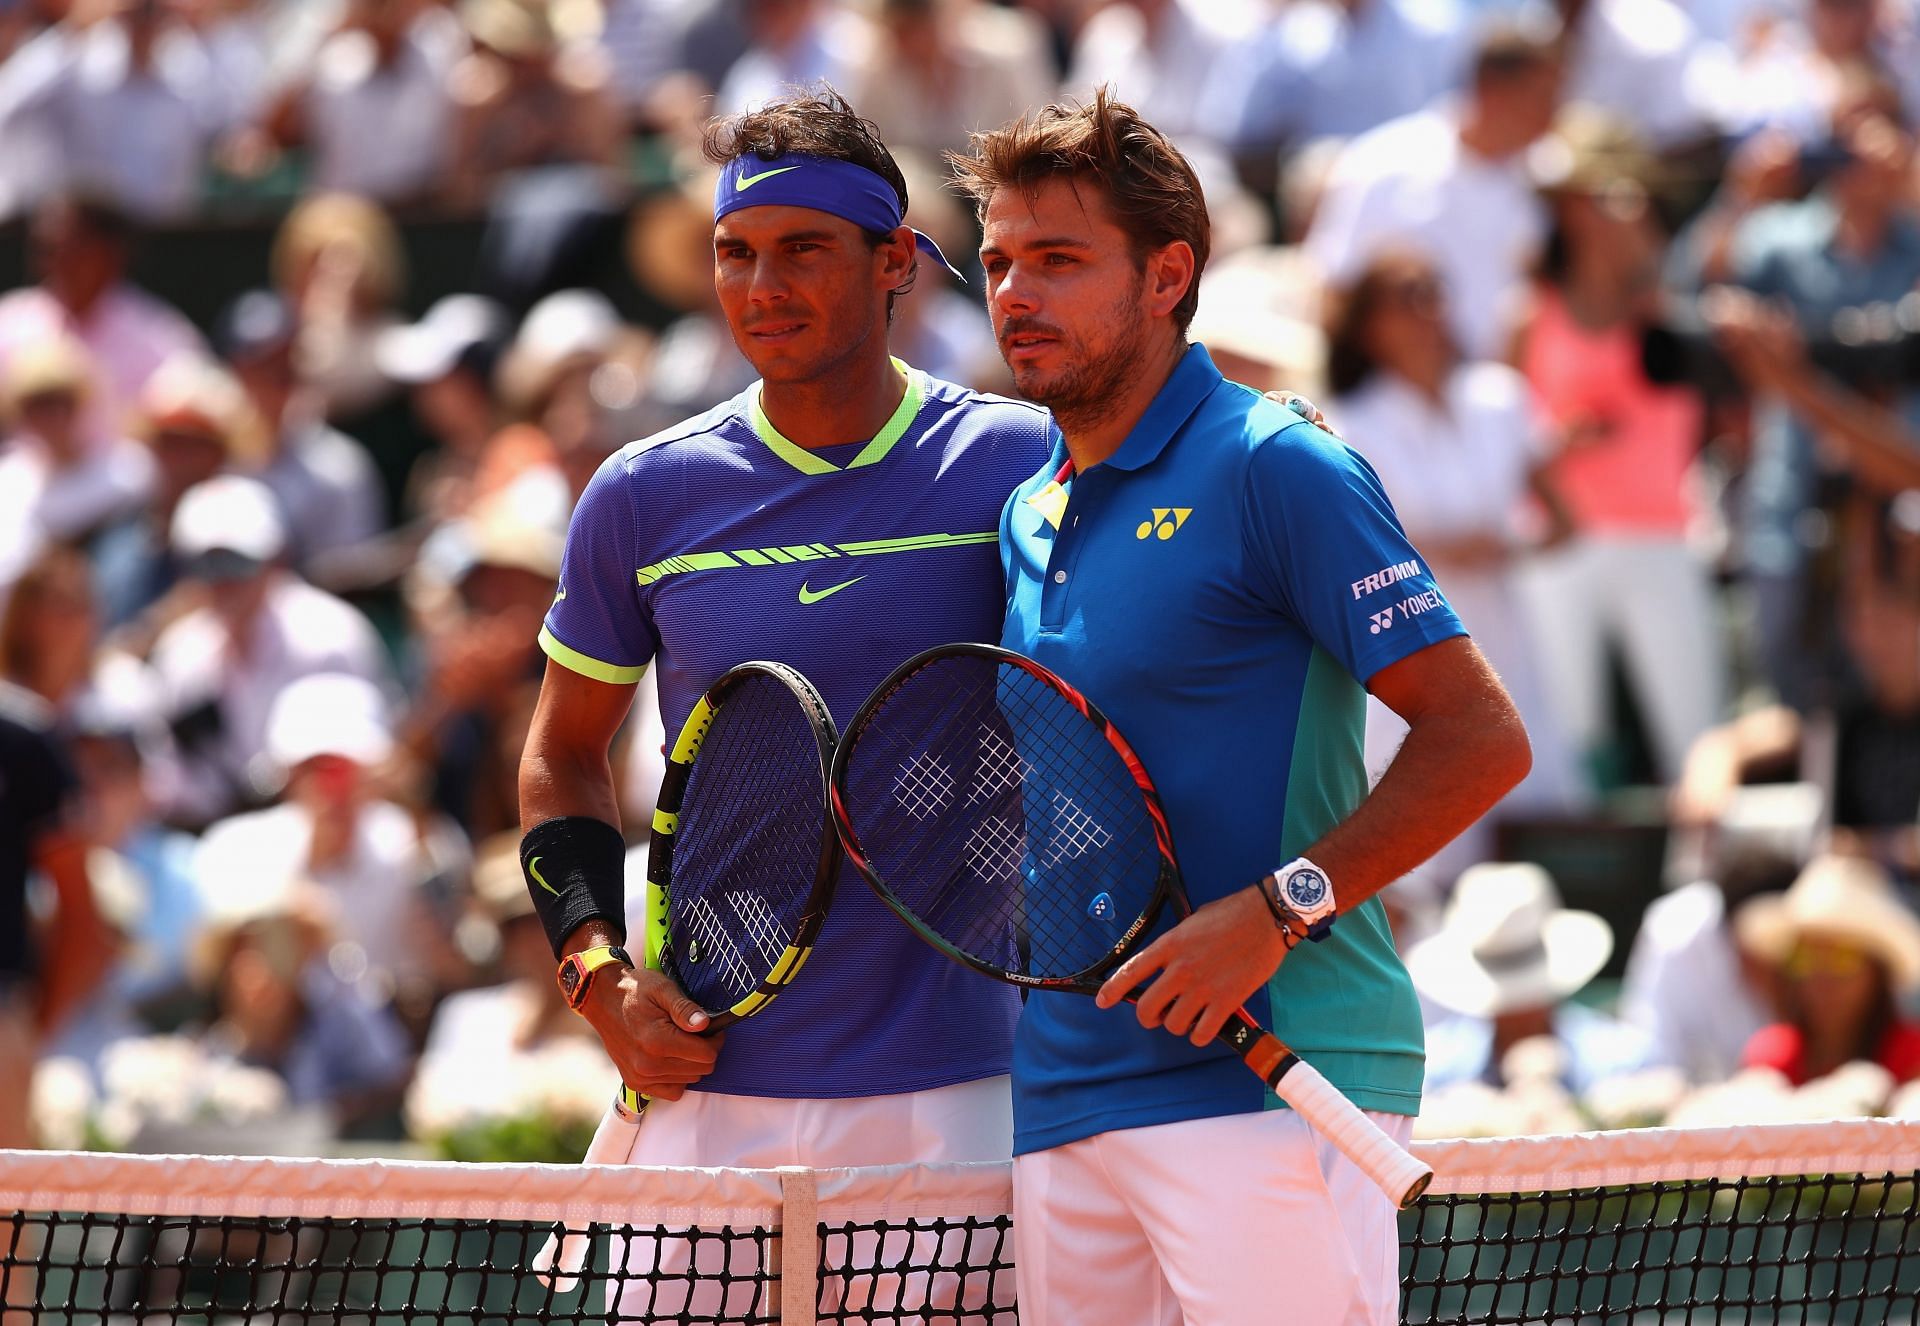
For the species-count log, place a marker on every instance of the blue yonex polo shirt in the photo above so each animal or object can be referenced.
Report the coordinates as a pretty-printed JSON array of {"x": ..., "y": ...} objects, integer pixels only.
[
  {"x": 1222, "y": 586},
  {"x": 720, "y": 541}
]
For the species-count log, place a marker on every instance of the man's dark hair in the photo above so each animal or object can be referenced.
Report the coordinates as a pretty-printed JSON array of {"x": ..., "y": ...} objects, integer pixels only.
[
  {"x": 820, "y": 124},
  {"x": 1151, "y": 190}
]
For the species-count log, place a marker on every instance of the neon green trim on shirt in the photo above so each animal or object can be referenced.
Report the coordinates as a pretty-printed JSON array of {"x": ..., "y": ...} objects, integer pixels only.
[
  {"x": 575, "y": 661},
  {"x": 790, "y": 553},
  {"x": 873, "y": 453}
]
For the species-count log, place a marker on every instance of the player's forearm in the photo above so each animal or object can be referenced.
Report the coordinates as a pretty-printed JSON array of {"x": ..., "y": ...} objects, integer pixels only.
[
  {"x": 1453, "y": 767},
  {"x": 556, "y": 780}
]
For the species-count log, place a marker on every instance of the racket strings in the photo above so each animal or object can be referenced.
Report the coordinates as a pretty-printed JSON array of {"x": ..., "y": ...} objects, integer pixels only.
[
  {"x": 1000, "y": 817},
  {"x": 746, "y": 849}
]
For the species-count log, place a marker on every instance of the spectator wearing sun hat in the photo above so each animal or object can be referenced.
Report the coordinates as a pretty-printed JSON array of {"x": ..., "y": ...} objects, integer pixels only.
[
  {"x": 57, "y": 484},
  {"x": 327, "y": 737},
  {"x": 446, "y": 362},
  {"x": 1847, "y": 950},
  {"x": 1506, "y": 962},
  {"x": 258, "y": 628},
  {"x": 195, "y": 422}
]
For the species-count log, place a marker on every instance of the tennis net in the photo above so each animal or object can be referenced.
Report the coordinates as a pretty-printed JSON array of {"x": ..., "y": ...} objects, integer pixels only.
[{"x": 1803, "y": 1224}]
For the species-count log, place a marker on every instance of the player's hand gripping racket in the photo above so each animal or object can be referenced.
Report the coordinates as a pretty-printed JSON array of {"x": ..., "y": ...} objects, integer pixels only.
[
  {"x": 1002, "y": 816},
  {"x": 740, "y": 872}
]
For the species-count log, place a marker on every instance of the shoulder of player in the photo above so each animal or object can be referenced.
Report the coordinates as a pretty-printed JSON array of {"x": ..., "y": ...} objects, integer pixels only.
[
  {"x": 1279, "y": 455},
  {"x": 981, "y": 406},
  {"x": 688, "y": 439}
]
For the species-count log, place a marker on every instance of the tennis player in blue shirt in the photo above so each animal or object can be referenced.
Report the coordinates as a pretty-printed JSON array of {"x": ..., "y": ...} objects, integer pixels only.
[
  {"x": 1227, "y": 582},
  {"x": 838, "y": 516}
]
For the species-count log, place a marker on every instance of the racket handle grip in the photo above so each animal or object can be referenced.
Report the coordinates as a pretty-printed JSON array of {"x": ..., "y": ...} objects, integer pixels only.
[
  {"x": 630, "y": 1104},
  {"x": 1401, "y": 1175}
]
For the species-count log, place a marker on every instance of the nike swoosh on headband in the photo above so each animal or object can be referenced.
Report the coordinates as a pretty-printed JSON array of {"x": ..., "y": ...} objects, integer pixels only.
[{"x": 748, "y": 181}]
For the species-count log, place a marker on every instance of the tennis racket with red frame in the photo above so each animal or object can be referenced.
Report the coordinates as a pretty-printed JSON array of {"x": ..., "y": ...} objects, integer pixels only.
[{"x": 1002, "y": 816}]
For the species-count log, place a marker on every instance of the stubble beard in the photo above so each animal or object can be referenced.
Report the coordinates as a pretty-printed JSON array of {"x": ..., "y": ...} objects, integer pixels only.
[{"x": 1089, "y": 391}]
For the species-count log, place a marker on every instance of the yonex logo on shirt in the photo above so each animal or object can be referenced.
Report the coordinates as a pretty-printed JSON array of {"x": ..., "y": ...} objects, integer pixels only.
[
  {"x": 1166, "y": 519},
  {"x": 1382, "y": 621},
  {"x": 1386, "y": 575}
]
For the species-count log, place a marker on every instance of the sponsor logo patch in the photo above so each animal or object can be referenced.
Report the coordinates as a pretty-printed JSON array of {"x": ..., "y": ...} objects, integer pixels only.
[{"x": 1385, "y": 576}]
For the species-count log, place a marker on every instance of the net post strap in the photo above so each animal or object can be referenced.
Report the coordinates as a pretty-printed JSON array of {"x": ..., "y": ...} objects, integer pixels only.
[{"x": 799, "y": 1245}]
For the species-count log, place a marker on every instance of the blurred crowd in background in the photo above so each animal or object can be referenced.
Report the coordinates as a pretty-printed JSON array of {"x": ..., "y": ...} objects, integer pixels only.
[{"x": 1620, "y": 297}]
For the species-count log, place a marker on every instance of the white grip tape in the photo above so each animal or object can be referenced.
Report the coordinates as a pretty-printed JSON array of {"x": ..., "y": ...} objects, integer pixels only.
[
  {"x": 1400, "y": 1174},
  {"x": 563, "y": 1256}
]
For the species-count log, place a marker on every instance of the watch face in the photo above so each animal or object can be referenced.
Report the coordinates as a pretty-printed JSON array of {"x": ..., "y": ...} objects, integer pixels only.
[
  {"x": 570, "y": 977},
  {"x": 1306, "y": 889}
]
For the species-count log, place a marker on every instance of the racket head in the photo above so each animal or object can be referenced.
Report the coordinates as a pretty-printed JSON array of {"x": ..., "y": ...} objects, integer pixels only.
[
  {"x": 1000, "y": 814},
  {"x": 742, "y": 853}
]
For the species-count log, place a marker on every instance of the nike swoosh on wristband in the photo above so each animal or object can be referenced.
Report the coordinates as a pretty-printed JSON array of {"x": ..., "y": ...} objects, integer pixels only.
[
  {"x": 748, "y": 181},
  {"x": 533, "y": 868},
  {"x": 815, "y": 595}
]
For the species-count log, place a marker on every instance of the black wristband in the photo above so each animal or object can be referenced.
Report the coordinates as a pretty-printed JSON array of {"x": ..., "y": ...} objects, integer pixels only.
[{"x": 576, "y": 871}]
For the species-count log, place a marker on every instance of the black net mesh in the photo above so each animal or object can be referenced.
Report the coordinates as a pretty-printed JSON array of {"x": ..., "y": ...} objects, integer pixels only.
[
  {"x": 1822, "y": 1251},
  {"x": 746, "y": 850},
  {"x": 90, "y": 1268},
  {"x": 1002, "y": 819},
  {"x": 1785, "y": 1251}
]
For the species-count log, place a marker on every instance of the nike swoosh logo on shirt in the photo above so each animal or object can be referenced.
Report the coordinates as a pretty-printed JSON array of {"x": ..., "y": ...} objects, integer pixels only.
[
  {"x": 815, "y": 595},
  {"x": 533, "y": 868},
  {"x": 748, "y": 181}
]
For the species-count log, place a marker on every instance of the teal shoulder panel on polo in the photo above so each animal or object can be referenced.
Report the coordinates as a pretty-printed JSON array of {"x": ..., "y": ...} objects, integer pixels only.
[
  {"x": 1222, "y": 587},
  {"x": 721, "y": 541}
]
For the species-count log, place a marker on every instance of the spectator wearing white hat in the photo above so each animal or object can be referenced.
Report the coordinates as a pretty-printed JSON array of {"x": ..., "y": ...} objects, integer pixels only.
[
  {"x": 57, "y": 484},
  {"x": 1847, "y": 950},
  {"x": 259, "y": 628},
  {"x": 446, "y": 362},
  {"x": 194, "y": 421},
  {"x": 327, "y": 737},
  {"x": 1508, "y": 959},
  {"x": 576, "y": 371}
]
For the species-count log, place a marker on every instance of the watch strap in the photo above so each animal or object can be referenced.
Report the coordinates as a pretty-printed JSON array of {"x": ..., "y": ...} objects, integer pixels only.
[{"x": 577, "y": 970}]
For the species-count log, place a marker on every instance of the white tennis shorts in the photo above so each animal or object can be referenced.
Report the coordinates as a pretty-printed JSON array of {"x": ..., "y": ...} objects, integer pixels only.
[
  {"x": 1228, "y": 1221},
  {"x": 970, "y": 1121}
]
